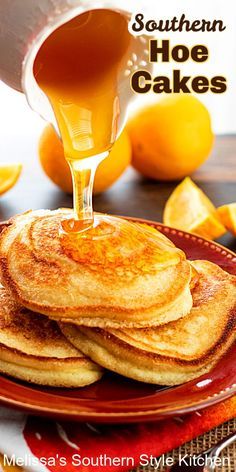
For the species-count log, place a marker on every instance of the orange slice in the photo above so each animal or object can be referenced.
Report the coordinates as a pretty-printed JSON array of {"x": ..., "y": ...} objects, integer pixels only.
[
  {"x": 227, "y": 215},
  {"x": 189, "y": 209},
  {"x": 9, "y": 468},
  {"x": 9, "y": 175}
]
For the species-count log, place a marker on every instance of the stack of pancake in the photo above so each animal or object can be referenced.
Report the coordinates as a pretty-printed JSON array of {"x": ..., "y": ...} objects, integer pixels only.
[{"x": 120, "y": 296}]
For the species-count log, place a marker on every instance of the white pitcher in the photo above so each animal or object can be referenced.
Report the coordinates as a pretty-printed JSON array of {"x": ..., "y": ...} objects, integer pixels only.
[{"x": 25, "y": 25}]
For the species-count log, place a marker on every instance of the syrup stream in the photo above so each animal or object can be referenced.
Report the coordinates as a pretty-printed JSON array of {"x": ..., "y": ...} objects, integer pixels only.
[
  {"x": 79, "y": 68},
  {"x": 83, "y": 173}
]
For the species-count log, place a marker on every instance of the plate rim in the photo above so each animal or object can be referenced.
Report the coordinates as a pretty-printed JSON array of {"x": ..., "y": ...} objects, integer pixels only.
[
  {"x": 142, "y": 414},
  {"x": 110, "y": 417}
]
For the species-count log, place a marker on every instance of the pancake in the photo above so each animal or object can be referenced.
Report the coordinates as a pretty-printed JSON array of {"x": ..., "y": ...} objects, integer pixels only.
[
  {"x": 177, "y": 352},
  {"x": 33, "y": 349},
  {"x": 133, "y": 277}
]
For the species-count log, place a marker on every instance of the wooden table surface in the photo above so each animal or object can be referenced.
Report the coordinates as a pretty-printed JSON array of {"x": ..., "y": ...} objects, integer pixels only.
[{"x": 132, "y": 195}]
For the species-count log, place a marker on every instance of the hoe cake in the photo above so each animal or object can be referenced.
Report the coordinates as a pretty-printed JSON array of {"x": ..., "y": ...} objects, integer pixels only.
[
  {"x": 132, "y": 277},
  {"x": 33, "y": 349},
  {"x": 177, "y": 352}
]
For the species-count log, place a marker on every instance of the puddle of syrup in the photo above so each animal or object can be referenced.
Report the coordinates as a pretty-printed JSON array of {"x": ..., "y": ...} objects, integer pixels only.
[{"x": 119, "y": 248}]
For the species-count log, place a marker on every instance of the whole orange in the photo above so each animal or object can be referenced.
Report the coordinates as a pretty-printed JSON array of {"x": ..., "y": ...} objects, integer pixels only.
[
  {"x": 55, "y": 166},
  {"x": 171, "y": 138}
]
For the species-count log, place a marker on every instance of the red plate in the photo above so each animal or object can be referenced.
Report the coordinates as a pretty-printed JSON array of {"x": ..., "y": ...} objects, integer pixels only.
[{"x": 115, "y": 399}]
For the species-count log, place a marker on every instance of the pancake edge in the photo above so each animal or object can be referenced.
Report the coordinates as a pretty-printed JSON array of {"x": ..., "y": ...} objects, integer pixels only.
[
  {"x": 71, "y": 372},
  {"x": 132, "y": 362}
]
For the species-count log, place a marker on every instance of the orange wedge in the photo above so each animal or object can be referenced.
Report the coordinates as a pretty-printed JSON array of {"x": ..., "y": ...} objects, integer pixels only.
[
  {"x": 189, "y": 209},
  {"x": 227, "y": 215},
  {"x": 9, "y": 175},
  {"x": 9, "y": 468}
]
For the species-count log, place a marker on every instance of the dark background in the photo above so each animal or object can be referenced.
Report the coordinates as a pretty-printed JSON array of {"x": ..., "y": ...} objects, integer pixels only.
[{"x": 131, "y": 195}]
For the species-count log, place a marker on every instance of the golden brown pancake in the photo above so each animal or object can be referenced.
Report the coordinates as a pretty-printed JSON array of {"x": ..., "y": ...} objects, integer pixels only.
[
  {"x": 32, "y": 348},
  {"x": 133, "y": 277},
  {"x": 177, "y": 352}
]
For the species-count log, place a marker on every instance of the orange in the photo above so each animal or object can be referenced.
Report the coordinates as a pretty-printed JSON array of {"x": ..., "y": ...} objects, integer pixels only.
[
  {"x": 55, "y": 166},
  {"x": 9, "y": 174},
  {"x": 171, "y": 138},
  {"x": 189, "y": 209},
  {"x": 114, "y": 165},
  {"x": 227, "y": 215}
]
